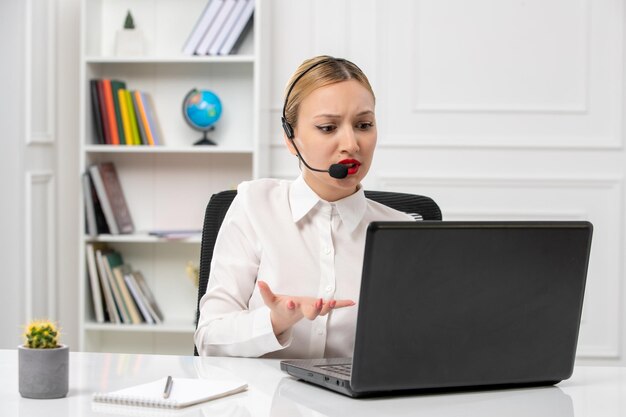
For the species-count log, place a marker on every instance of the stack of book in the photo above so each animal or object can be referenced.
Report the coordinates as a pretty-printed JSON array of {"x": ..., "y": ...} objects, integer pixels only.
[
  {"x": 119, "y": 294},
  {"x": 121, "y": 116},
  {"x": 221, "y": 28},
  {"x": 106, "y": 210}
]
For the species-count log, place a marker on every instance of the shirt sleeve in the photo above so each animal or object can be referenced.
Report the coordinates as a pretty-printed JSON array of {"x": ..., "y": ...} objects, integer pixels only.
[{"x": 226, "y": 326}]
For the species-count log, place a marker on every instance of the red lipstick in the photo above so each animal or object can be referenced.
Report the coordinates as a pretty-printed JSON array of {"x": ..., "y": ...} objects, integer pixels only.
[{"x": 353, "y": 165}]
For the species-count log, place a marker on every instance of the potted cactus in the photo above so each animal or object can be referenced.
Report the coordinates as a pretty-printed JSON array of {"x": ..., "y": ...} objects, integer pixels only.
[{"x": 43, "y": 362}]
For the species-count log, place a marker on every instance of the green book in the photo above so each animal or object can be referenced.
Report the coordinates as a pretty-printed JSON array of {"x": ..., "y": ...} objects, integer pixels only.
[{"x": 115, "y": 86}]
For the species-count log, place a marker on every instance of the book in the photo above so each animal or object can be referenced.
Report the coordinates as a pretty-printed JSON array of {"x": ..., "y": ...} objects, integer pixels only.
[
  {"x": 116, "y": 86},
  {"x": 111, "y": 196},
  {"x": 130, "y": 304},
  {"x": 133, "y": 118},
  {"x": 140, "y": 300},
  {"x": 94, "y": 282},
  {"x": 101, "y": 223},
  {"x": 121, "y": 98},
  {"x": 144, "y": 117},
  {"x": 215, "y": 27},
  {"x": 90, "y": 211},
  {"x": 96, "y": 112},
  {"x": 143, "y": 138},
  {"x": 201, "y": 26},
  {"x": 147, "y": 293},
  {"x": 185, "y": 392},
  {"x": 239, "y": 30},
  {"x": 114, "y": 315},
  {"x": 153, "y": 121},
  {"x": 103, "y": 114},
  {"x": 110, "y": 112},
  {"x": 110, "y": 260},
  {"x": 214, "y": 49}
]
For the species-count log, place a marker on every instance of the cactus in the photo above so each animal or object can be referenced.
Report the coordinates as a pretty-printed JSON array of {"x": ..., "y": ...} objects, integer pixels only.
[{"x": 41, "y": 334}]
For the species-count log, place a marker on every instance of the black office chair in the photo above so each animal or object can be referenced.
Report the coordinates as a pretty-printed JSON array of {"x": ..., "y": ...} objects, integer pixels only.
[{"x": 418, "y": 206}]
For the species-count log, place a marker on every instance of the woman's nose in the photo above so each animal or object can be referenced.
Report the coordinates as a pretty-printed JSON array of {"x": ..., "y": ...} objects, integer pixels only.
[{"x": 349, "y": 141}]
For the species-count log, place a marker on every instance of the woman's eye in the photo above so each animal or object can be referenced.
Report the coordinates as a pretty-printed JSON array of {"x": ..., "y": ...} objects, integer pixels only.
[
  {"x": 364, "y": 125},
  {"x": 326, "y": 128}
]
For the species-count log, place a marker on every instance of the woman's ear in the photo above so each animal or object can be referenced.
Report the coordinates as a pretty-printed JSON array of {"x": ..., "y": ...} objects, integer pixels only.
[{"x": 289, "y": 145}]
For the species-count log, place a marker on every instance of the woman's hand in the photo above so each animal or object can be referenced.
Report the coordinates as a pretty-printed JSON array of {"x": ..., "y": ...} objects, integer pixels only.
[{"x": 287, "y": 310}]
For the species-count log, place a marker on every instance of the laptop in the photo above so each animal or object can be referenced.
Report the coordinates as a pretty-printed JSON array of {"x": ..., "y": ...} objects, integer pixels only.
[{"x": 462, "y": 305}]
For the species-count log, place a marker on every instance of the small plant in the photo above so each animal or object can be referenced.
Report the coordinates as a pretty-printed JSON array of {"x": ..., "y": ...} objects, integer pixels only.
[
  {"x": 129, "y": 23},
  {"x": 41, "y": 334}
]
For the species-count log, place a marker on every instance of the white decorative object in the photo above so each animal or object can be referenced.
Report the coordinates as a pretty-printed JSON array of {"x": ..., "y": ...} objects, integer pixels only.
[{"x": 129, "y": 41}]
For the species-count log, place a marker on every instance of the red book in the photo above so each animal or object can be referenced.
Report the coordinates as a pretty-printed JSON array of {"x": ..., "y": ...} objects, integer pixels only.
[
  {"x": 103, "y": 113},
  {"x": 108, "y": 100}
]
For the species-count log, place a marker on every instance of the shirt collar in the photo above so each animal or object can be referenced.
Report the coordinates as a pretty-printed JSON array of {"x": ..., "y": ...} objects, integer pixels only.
[{"x": 302, "y": 199}]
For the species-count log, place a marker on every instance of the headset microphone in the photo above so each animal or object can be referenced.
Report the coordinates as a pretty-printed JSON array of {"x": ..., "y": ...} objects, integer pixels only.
[{"x": 338, "y": 171}]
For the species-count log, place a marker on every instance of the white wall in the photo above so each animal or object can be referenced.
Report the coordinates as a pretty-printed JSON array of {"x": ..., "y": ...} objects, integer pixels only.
[
  {"x": 495, "y": 108},
  {"x": 498, "y": 109}
]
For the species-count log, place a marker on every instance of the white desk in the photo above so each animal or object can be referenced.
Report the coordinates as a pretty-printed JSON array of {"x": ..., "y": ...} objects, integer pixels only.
[{"x": 592, "y": 391}]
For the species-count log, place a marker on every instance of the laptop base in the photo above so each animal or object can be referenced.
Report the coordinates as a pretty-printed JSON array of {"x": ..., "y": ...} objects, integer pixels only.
[{"x": 309, "y": 370}]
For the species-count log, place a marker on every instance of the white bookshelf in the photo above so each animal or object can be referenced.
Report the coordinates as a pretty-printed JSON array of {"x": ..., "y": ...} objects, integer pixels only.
[{"x": 168, "y": 186}]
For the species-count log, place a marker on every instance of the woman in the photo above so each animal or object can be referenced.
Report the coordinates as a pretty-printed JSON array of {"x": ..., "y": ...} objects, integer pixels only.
[{"x": 287, "y": 262}]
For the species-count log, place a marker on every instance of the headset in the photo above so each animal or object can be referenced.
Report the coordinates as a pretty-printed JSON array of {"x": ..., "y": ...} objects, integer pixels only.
[{"x": 338, "y": 171}]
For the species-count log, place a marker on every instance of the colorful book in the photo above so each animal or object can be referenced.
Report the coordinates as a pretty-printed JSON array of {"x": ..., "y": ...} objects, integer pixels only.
[
  {"x": 116, "y": 86},
  {"x": 112, "y": 259},
  {"x": 111, "y": 196},
  {"x": 147, "y": 293},
  {"x": 129, "y": 303},
  {"x": 121, "y": 98},
  {"x": 141, "y": 302},
  {"x": 153, "y": 121},
  {"x": 142, "y": 130},
  {"x": 239, "y": 30},
  {"x": 104, "y": 114},
  {"x": 110, "y": 112},
  {"x": 144, "y": 117},
  {"x": 112, "y": 309},
  {"x": 133, "y": 118},
  {"x": 96, "y": 113}
]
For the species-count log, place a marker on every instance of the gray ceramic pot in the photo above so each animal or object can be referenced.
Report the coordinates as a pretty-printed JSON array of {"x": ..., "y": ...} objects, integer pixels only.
[{"x": 44, "y": 373}]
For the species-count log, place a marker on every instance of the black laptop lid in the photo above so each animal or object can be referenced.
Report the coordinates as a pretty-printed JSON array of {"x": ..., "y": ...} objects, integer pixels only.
[{"x": 446, "y": 304}]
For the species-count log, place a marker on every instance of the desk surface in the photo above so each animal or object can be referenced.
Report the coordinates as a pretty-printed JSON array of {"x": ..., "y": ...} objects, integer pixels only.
[{"x": 592, "y": 391}]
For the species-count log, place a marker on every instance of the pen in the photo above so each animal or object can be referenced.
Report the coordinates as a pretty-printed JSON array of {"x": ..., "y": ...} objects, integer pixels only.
[{"x": 168, "y": 387}]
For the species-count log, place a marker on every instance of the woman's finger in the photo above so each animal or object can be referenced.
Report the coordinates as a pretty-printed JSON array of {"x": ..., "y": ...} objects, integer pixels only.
[
  {"x": 343, "y": 303},
  {"x": 269, "y": 298}
]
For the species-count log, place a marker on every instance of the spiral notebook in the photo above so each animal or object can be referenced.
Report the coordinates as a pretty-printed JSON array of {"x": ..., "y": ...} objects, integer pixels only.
[{"x": 185, "y": 392}]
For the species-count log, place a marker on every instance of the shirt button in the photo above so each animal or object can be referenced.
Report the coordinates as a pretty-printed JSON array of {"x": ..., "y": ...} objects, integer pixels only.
[
  {"x": 326, "y": 250},
  {"x": 320, "y": 331},
  {"x": 329, "y": 288}
]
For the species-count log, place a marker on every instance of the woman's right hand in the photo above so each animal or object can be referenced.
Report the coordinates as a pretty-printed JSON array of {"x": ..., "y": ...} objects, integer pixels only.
[{"x": 287, "y": 310}]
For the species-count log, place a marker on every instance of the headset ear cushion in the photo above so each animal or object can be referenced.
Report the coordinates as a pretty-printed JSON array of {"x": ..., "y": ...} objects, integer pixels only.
[{"x": 287, "y": 128}]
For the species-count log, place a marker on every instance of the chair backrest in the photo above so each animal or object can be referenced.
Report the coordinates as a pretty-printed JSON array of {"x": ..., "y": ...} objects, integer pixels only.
[{"x": 418, "y": 206}]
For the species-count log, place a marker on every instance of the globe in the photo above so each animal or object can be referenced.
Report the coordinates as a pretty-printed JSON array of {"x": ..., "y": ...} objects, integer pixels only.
[{"x": 201, "y": 110}]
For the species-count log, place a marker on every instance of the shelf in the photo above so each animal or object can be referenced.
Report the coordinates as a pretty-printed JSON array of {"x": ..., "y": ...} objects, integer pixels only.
[
  {"x": 183, "y": 59},
  {"x": 142, "y": 238},
  {"x": 176, "y": 326},
  {"x": 143, "y": 149}
]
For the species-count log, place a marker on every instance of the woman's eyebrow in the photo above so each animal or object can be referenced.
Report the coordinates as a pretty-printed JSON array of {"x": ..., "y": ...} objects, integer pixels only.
[{"x": 337, "y": 116}]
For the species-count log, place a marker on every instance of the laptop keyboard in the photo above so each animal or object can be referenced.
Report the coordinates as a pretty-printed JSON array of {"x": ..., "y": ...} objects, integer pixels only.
[{"x": 343, "y": 369}]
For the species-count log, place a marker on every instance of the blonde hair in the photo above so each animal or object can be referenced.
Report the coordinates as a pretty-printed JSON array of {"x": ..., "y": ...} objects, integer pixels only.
[{"x": 318, "y": 72}]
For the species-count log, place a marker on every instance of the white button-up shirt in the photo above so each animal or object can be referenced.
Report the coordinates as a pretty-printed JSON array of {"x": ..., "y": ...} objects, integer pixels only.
[{"x": 282, "y": 233}]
